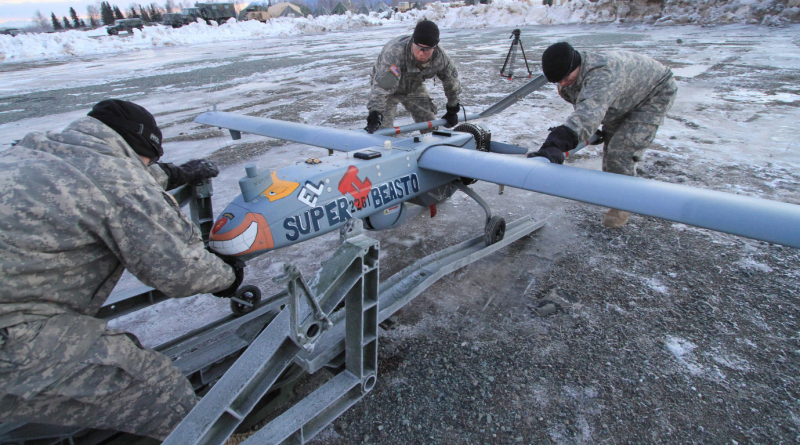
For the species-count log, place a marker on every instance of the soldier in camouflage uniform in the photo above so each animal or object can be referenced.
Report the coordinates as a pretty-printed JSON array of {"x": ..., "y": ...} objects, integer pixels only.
[
  {"x": 628, "y": 93},
  {"x": 76, "y": 208},
  {"x": 399, "y": 77}
]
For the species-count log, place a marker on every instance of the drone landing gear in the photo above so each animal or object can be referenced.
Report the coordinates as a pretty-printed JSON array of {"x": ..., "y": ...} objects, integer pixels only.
[
  {"x": 245, "y": 300},
  {"x": 512, "y": 56},
  {"x": 495, "y": 228}
]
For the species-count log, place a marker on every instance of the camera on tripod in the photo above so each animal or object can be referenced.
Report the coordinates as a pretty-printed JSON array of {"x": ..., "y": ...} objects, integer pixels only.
[{"x": 511, "y": 57}]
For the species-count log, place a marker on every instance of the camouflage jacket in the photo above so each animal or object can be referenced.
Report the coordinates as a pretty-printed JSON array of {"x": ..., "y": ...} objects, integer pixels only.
[
  {"x": 76, "y": 208},
  {"x": 398, "y": 72},
  {"x": 609, "y": 86}
]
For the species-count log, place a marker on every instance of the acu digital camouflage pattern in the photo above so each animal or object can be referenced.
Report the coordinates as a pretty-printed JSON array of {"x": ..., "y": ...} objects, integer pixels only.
[
  {"x": 629, "y": 94},
  {"x": 76, "y": 208},
  {"x": 398, "y": 77}
]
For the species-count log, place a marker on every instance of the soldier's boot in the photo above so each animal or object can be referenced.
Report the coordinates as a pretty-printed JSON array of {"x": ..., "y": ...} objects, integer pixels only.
[{"x": 616, "y": 218}]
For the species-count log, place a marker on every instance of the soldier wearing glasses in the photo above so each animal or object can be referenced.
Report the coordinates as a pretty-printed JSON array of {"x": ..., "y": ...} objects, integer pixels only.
[
  {"x": 399, "y": 77},
  {"x": 628, "y": 93}
]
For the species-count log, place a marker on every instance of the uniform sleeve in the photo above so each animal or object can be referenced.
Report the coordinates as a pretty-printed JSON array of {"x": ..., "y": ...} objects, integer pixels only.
[
  {"x": 161, "y": 176},
  {"x": 386, "y": 76},
  {"x": 449, "y": 77},
  {"x": 159, "y": 245},
  {"x": 599, "y": 90}
]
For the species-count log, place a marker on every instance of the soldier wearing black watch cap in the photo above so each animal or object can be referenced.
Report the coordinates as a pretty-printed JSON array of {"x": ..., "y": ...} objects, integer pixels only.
[
  {"x": 399, "y": 76},
  {"x": 628, "y": 93},
  {"x": 77, "y": 207}
]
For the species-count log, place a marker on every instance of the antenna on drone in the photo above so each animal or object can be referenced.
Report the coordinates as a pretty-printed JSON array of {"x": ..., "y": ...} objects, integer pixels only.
[{"x": 512, "y": 54}]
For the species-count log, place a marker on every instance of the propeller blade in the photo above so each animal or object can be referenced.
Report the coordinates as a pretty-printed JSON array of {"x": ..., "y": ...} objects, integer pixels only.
[{"x": 331, "y": 138}]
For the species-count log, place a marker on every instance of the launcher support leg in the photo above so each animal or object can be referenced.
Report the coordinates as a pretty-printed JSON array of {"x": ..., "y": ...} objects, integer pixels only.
[
  {"x": 350, "y": 276},
  {"x": 471, "y": 193}
]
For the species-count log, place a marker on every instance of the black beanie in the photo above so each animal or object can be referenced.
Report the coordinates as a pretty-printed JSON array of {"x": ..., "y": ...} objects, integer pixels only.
[
  {"x": 558, "y": 60},
  {"x": 135, "y": 124},
  {"x": 426, "y": 33}
]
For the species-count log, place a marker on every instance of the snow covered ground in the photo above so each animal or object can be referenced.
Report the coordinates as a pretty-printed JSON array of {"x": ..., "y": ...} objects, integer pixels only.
[{"x": 733, "y": 127}]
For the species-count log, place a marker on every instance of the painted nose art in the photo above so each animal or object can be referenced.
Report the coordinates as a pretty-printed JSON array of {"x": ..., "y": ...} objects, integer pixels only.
[{"x": 251, "y": 235}]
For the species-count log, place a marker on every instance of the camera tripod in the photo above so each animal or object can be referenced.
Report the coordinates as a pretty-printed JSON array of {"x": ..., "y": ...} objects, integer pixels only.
[{"x": 512, "y": 54}]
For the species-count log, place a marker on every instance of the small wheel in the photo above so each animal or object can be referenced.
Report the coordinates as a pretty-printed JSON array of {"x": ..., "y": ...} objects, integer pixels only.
[
  {"x": 245, "y": 300},
  {"x": 495, "y": 230}
]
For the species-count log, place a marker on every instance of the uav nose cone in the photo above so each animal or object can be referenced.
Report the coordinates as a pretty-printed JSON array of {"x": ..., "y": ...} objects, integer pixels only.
[{"x": 240, "y": 234}]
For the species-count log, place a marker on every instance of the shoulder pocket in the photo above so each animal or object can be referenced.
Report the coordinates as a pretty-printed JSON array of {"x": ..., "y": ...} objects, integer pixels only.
[{"x": 388, "y": 80}]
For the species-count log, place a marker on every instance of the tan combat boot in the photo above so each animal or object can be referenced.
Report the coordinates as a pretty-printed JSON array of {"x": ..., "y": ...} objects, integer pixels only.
[{"x": 616, "y": 218}]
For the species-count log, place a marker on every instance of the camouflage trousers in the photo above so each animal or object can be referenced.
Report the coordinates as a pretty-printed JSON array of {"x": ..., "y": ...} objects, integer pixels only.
[
  {"x": 627, "y": 139},
  {"x": 419, "y": 104},
  {"x": 116, "y": 384}
]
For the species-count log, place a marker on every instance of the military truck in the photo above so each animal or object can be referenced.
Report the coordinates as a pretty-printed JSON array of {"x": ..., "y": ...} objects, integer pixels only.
[
  {"x": 10, "y": 31},
  {"x": 173, "y": 19},
  {"x": 218, "y": 12},
  {"x": 125, "y": 25}
]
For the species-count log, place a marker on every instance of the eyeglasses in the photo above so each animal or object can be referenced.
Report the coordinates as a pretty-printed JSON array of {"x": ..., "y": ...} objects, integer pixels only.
[{"x": 424, "y": 49}]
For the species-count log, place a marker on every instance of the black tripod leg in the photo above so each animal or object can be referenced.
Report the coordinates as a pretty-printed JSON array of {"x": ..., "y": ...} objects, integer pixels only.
[
  {"x": 525, "y": 58},
  {"x": 507, "y": 56},
  {"x": 513, "y": 59}
]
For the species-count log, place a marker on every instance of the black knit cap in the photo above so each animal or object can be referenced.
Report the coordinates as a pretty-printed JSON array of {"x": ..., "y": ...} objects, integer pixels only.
[
  {"x": 426, "y": 33},
  {"x": 135, "y": 124},
  {"x": 558, "y": 60}
]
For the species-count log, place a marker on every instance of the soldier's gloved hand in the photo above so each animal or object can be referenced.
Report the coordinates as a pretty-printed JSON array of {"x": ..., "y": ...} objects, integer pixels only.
[
  {"x": 191, "y": 172},
  {"x": 601, "y": 137},
  {"x": 452, "y": 116},
  {"x": 553, "y": 154},
  {"x": 562, "y": 138},
  {"x": 238, "y": 270},
  {"x": 373, "y": 121}
]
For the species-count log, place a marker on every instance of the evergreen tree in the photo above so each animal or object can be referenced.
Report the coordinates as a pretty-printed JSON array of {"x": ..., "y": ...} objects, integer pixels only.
[
  {"x": 83, "y": 24},
  {"x": 169, "y": 6},
  {"x": 145, "y": 15},
  {"x": 56, "y": 24},
  {"x": 117, "y": 13},
  {"x": 76, "y": 22},
  {"x": 155, "y": 13},
  {"x": 106, "y": 14},
  {"x": 132, "y": 13},
  {"x": 66, "y": 23}
]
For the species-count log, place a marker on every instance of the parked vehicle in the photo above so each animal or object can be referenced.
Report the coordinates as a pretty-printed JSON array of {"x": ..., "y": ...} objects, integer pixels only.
[{"x": 125, "y": 25}]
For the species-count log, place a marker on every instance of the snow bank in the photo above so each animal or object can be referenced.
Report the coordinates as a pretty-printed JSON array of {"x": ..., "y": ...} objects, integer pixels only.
[
  {"x": 26, "y": 47},
  {"x": 515, "y": 13},
  {"x": 501, "y": 13},
  {"x": 765, "y": 12}
]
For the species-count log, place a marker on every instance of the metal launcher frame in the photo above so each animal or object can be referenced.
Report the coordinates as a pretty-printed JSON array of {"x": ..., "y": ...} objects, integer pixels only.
[{"x": 246, "y": 366}]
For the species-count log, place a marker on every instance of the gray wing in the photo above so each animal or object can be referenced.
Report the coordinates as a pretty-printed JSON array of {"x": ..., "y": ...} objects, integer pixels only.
[
  {"x": 331, "y": 138},
  {"x": 760, "y": 219}
]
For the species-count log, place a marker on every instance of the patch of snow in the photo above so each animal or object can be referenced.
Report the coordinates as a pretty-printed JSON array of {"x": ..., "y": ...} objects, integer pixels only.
[
  {"x": 690, "y": 71},
  {"x": 749, "y": 263},
  {"x": 683, "y": 350},
  {"x": 656, "y": 285}
]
